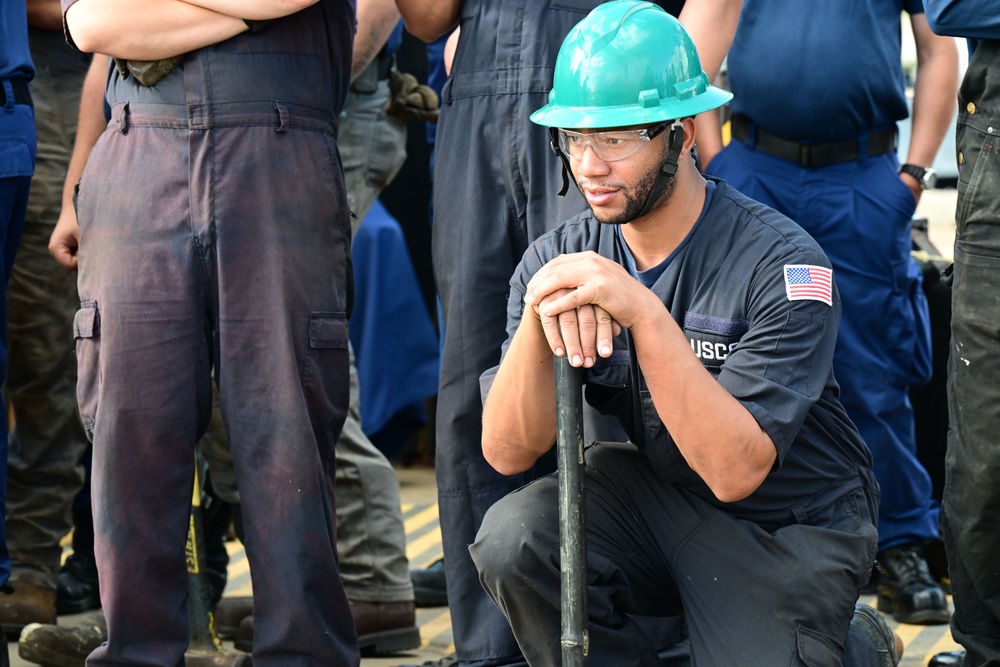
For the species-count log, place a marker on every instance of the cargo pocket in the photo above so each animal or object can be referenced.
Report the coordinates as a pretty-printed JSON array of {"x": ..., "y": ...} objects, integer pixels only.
[
  {"x": 86, "y": 331},
  {"x": 814, "y": 649},
  {"x": 325, "y": 379}
]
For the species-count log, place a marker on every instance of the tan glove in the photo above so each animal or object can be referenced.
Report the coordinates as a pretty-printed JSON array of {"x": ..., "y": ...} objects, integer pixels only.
[
  {"x": 411, "y": 98},
  {"x": 147, "y": 72}
]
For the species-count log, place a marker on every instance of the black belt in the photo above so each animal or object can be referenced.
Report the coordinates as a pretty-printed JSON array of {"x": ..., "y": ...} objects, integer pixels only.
[
  {"x": 811, "y": 155},
  {"x": 21, "y": 94}
]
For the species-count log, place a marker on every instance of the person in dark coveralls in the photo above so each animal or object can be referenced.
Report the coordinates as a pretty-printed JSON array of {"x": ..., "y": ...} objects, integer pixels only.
[
  {"x": 214, "y": 233},
  {"x": 494, "y": 193},
  {"x": 819, "y": 88},
  {"x": 971, "y": 504},
  {"x": 17, "y": 164},
  {"x": 706, "y": 324}
]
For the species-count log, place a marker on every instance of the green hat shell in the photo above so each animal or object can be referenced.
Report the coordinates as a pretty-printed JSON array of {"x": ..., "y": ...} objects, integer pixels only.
[{"x": 627, "y": 63}]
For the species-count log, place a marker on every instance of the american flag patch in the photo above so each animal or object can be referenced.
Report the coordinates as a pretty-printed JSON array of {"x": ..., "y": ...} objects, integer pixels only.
[{"x": 805, "y": 281}]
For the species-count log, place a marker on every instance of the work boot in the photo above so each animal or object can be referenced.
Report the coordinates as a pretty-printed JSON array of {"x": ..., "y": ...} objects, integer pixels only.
[
  {"x": 906, "y": 589},
  {"x": 229, "y": 613},
  {"x": 62, "y": 645},
  {"x": 27, "y": 604},
  {"x": 948, "y": 659},
  {"x": 382, "y": 628},
  {"x": 869, "y": 628},
  {"x": 385, "y": 627},
  {"x": 429, "y": 586},
  {"x": 78, "y": 589}
]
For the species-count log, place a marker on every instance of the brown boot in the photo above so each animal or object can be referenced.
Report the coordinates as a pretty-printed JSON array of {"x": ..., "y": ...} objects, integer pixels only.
[
  {"x": 385, "y": 627},
  {"x": 27, "y": 604}
]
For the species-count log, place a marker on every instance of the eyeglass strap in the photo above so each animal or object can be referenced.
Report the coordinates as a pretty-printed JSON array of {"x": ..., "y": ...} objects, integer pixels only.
[{"x": 554, "y": 145}]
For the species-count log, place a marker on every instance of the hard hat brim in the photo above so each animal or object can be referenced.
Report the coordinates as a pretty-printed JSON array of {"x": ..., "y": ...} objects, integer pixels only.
[{"x": 557, "y": 115}]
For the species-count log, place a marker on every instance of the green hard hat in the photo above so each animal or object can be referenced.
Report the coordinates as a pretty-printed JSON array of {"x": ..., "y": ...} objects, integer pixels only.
[{"x": 627, "y": 63}]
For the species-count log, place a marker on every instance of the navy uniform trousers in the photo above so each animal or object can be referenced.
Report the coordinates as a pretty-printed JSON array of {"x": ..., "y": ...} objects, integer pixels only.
[
  {"x": 972, "y": 493},
  {"x": 215, "y": 232},
  {"x": 17, "y": 163},
  {"x": 860, "y": 213},
  {"x": 752, "y": 595}
]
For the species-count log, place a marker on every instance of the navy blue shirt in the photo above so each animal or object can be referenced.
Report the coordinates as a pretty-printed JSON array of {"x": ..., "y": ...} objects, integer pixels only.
[
  {"x": 726, "y": 287},
  {"x": 15, "y": 59},
  {"x": 820, "y": 71},
  {"x": 975, "y": 19}
]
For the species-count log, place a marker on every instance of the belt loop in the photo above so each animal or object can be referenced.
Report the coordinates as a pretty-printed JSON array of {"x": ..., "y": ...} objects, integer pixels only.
[
  {"x": 863, "y": 146},
  {"x": 8, "y": 96},
  {"x": 121, "y": 117},
  {"x": 282, "y": 117}
]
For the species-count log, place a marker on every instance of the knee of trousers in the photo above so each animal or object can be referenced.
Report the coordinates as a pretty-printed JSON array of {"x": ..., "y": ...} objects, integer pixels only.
[{"x": 519, "y": 537}]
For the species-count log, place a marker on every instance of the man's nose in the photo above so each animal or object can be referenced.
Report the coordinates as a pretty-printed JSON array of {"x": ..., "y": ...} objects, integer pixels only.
[{"x": 590, "y": 162}]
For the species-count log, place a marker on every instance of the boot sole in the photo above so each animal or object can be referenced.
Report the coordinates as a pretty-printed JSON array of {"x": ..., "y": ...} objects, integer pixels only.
[
  {"x": 390, "y": 641},
  {"x": 48, "y": 658},
  {"x": 915, "y": 617}
]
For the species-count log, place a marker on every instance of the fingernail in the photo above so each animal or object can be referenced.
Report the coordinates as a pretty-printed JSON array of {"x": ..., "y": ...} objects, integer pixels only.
[
  {"x": 559, "y": 351},
  {"x": 588, "y": 362},
  {"x": 576, "y": 360},
  {"x": 606, "y": 351}
]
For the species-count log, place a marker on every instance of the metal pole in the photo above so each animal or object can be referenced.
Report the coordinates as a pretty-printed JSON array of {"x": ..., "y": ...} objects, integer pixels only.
[{"x": 572, "y": 534}]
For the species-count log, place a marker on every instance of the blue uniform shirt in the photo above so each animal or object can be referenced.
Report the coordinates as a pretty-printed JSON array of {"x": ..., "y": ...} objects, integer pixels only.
[
  {"x": 820, "y": 71},
  {"x": 15, "y": 59},
  {"x": 726, "y": 287}
]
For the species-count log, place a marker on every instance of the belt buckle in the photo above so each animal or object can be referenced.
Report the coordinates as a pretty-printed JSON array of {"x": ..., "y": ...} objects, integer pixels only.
[{"x": 807, "y": 155}]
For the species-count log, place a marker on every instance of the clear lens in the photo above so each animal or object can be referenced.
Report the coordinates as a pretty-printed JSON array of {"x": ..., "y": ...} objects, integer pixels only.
[{"x": 608, "y": 146}]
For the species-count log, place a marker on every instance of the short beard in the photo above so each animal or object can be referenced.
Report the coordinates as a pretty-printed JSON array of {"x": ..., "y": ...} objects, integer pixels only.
[{"x": 636, "y": 197}]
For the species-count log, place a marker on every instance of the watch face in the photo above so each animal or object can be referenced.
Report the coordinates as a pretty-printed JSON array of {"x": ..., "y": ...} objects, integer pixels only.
[{"x": 929, "y": 179}]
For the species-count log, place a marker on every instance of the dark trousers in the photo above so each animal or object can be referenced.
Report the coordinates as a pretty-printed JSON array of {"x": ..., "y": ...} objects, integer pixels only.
[
  {"x": 44, "y": 470},
  {"x": 751, "y": 595},
  {"x": 17, "y": 159},
  {"x": 481, "y": 229},
  {"x": 972, "y": 484},
  {"x": 215, "y": 242}
]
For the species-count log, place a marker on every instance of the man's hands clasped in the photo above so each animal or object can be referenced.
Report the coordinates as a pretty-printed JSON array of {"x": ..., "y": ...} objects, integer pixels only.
[{"x": 582, "y": 301}]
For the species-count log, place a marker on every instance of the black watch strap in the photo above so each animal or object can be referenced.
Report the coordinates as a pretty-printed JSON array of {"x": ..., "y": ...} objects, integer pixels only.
[{"x": 926, "y": 177}]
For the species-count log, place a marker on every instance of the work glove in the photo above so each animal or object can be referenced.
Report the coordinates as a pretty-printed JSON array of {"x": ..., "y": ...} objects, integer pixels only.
[
  {"x": 411, "y": 98},
  {"x": 147, "y": 72}
]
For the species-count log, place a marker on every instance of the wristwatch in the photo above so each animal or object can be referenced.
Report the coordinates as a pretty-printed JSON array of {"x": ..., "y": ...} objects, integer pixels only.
[{"x": 926, "y": 176}]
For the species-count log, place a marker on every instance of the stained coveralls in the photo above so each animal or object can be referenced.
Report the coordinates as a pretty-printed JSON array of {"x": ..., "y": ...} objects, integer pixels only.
[
  {"x": 214, "y": 232},
  {"x": 971, "y": 505}
]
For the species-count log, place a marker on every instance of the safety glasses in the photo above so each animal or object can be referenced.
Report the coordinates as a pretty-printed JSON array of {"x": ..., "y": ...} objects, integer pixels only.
[{"x": 608, "y": 146}]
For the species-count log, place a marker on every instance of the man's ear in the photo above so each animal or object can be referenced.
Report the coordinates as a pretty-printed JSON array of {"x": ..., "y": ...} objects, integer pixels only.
[{"x": 688, "y": 135}]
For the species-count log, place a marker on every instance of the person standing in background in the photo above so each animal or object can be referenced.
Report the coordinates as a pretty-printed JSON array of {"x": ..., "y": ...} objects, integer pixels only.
[
  {"x": 971, "y": 505},
  {"x": 818, "y": 92},
  {"x": 17, "y": 164},
  {"x": 44, "y": 471}
]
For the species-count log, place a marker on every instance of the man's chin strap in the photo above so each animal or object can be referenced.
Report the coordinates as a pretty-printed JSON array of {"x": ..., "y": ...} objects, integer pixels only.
[
  {"x": 669, "y": 168},
  {"x": 554, "y": 145},
  {"x": 667, "y": 171}
]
